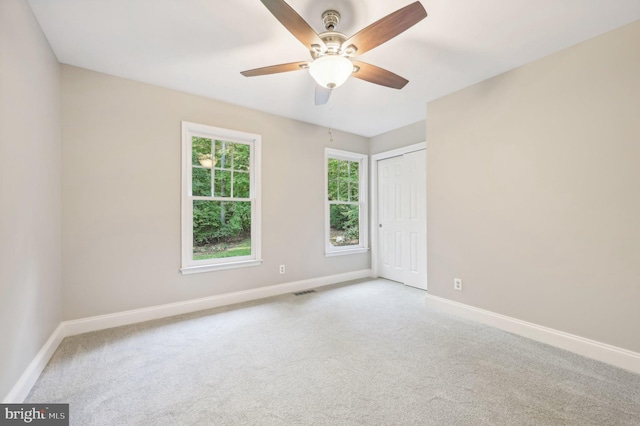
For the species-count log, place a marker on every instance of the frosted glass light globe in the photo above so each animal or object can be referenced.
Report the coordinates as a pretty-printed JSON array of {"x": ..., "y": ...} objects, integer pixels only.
[{"x": 331, "y": 71}]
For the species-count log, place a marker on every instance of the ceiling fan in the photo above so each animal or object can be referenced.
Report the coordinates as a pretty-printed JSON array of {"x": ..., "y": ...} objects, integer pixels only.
[{"x": 332, "y": 51}]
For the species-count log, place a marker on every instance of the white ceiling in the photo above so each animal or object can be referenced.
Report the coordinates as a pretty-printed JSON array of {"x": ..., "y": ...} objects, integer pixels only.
[{"x": 200, "y": 47}]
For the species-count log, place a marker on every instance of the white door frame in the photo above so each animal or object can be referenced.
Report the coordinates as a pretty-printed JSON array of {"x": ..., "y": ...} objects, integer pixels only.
[{"x": 373, "y": 229}]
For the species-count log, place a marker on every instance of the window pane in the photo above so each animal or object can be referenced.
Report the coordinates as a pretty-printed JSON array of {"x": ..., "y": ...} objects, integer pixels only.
[
  {"x": 241, "y": 157},
  {"x": 353, "y": 190},
  {"x": 353, "y": 180},
  {"x": 344, "y": 223},
  {"x": 354, "y": 170},
  {"x": 201, "y": 166},
  {"x": 221, "y": 229},
  {"x": 343, "y": 190},
  {"x": 241, "y": 187},
  {"x": 223, "y": 154},
  {"x": 201, "y": 182},
  {"x": 332, "y": 168},
  {"x": 223, "y": 183},
  {"x": 333, "y": 189},
  {"x": 201, "y": 152},
  {"x": 343, "y": 170},
  {"x": 343, "y": 176}
]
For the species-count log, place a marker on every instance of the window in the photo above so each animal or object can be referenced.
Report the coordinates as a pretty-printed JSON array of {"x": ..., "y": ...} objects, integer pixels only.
[
  {"x": 220, "y": 198},
  {"x": 346, "y": 202}
]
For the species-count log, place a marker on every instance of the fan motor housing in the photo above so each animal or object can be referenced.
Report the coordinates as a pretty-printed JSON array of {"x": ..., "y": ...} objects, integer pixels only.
[{"x": 333, "y": 40}]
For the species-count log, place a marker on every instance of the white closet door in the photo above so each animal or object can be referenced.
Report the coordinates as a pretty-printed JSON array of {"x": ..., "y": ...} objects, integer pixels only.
[
  {"x": 415, "y": 188},
  {"x": 390, "y": 220},
  {"x": 402, "y": 219}
]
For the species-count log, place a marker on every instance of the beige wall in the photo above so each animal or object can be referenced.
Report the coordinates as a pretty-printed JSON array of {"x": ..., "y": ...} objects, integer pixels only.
[
  {"x": 403, "y": 136},
  {"x": 30, "y": 191},
  {"x": 534, "y": 191},
  {"x": 121, "y": 198}
]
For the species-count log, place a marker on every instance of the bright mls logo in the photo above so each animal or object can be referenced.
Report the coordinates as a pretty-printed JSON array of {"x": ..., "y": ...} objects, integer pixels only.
[{"x": 34, "y": 414}]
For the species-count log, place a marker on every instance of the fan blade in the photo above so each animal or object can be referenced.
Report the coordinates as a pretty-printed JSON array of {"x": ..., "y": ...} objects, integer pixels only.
[
  {"x": 274, "y": 69},
  {"x": 377, "y": 75},
  {"x": 322, "y": 95},
  {"x": 386, "y": 28},
  {"x": 294, "y": 23}
]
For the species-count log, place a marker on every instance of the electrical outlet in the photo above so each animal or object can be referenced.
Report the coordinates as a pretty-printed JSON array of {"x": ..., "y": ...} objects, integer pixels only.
[
  {"x": 282, "y": 269},
  {"x": 457, "y": 284}
]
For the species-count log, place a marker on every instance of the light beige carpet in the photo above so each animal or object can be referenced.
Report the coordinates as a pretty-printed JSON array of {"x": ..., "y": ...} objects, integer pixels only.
[{"x": 367, "y": 353}]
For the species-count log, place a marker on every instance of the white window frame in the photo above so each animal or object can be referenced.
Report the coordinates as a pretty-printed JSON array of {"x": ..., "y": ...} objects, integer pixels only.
[
  {"x": 362, "y": 159},
  {"x": 190, "y": 130}
]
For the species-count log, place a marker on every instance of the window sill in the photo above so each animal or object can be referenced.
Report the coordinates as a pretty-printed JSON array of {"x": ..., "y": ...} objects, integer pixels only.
[
  {"x": 219, "y": 266},
  {"x": 346, "y": 252}
]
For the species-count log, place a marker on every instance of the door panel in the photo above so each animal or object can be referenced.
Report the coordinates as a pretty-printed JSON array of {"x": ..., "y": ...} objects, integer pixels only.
[
  {"x": 390, "y": 218},
  {"x": 402, "y": 218},
  {"x": 415, "y": 165}
]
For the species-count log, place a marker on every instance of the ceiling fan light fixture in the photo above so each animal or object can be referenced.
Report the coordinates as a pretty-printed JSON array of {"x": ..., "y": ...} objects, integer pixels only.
[
  {"x": 331, "y": 71},
  {"x": 207, "y": 161}
]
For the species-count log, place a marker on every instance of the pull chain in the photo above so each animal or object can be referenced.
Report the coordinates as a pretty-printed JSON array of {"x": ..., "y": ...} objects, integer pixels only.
[{"x": 330, "y": 120}]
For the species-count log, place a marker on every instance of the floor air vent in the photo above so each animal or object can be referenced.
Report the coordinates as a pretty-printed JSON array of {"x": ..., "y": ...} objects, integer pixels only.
[{"x": 300, "y": 293}]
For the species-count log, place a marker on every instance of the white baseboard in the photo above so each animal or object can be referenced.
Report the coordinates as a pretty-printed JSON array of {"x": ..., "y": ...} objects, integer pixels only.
[
  {"x": 117, "y": 319},
  {"x": 613, "y": 355},
  {"x": 23, "y": 386},
  {"x": 69, "y": 328}
]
